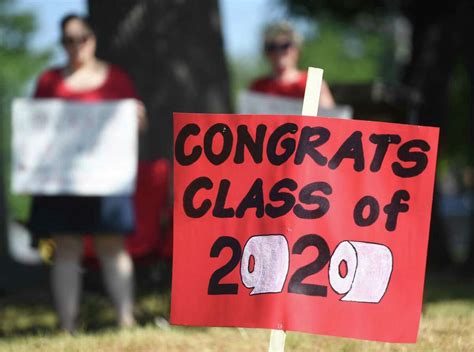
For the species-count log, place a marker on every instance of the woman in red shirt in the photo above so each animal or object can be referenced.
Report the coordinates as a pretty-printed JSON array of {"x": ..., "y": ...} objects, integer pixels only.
[
  {"x": 282, "y": 48},
  {"x": 66, "y": 218}
]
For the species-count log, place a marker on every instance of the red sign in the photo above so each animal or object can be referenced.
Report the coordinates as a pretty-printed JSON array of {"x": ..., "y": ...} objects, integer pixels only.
[{"x": 300, "y": 223}]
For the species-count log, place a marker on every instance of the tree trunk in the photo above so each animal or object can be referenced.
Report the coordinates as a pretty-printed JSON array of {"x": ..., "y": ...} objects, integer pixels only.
[
  {"x": 428, "y": 73},
  {"x": 438, "y": 40},
  {"x": 173, "y": 51},
  {"x": 465, "y": 23}
]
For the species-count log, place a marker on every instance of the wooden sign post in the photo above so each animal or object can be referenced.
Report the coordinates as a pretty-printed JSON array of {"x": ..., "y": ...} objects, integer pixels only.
[{"x": 310, "y": 108}]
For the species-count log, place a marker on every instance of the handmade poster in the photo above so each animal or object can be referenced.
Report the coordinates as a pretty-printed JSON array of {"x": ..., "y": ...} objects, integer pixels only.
[
  {"x": 301, "y": 223},
  {"x": 63, "y": 147},
  {"x": 259, "y": 103}
]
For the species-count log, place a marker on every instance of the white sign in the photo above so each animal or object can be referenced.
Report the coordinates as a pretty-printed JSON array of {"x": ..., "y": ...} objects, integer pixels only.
[
  {"x": 19, "y": 244},
  {"x": 259, "y": 103},
  {"x": 64, "y": 147}
]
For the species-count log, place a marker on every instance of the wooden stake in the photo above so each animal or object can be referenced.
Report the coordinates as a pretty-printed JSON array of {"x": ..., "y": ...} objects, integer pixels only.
[
  {"x": 310, "y": 108},
  {"x": 312, "y": 92},
  {"x": 277, "y": 341}
]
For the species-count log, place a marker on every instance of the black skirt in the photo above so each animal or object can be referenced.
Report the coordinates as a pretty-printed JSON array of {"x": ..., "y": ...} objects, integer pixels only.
[{"x": 54, "y": 215}]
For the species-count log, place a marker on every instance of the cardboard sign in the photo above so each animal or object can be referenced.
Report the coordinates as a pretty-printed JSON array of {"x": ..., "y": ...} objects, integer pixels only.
[
  {"x": 63, "y": 147},
  {"x": 301, "y": 223},
  {"x": 20, "y": 244},
  {"x": 259, "y": 103}
]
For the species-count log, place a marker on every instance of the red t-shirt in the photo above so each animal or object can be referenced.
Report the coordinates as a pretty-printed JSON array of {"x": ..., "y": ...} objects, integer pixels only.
[
  {"x": 271, "y": 86},
  {"x": 117, "y": 85}
]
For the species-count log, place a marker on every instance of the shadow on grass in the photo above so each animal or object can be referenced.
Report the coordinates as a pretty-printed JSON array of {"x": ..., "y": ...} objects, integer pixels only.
[
  {"x": 447, "y": 287},
  {"x": 30, "y": 312}
]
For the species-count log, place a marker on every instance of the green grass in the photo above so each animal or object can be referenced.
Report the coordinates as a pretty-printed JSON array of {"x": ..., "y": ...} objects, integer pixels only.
[{"x": 447, "y": 324}]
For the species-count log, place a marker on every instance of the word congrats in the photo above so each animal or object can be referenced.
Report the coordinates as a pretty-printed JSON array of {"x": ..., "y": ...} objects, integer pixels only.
[{"x": 301, "y": 223}]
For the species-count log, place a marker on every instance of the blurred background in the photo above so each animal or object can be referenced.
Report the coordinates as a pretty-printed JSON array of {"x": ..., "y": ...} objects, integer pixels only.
[{"x": 400, "y": 61}]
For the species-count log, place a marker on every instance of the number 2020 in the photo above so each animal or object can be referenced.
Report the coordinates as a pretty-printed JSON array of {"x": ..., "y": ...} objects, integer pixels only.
[{"x": 265, "y": 261}]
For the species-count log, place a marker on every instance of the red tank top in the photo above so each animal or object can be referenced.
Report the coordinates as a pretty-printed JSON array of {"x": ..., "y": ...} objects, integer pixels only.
[
  {"x": 271, "y": 86},
  {"x": 117, "y": 85}
]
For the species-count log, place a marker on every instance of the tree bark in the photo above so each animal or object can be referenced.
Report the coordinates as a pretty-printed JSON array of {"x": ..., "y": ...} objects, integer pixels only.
[
  {"x": 173, "y": 51},
  {"x": 439, "y": 38},
  {"x": 465, "y": 23},
  {"x": 428, "y": 73}
]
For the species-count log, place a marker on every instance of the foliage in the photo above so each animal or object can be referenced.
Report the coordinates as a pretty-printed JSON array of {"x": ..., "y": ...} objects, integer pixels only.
[
  {"x": 18, "y": 66},
  {"x": 344, "y": 10},
  {"x": 346, "y": 53},
  {"x": 19, "y": 63},
  {"x": 457, "y": 134}
]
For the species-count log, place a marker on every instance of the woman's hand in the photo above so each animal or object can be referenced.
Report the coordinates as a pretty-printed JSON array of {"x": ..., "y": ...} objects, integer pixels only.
[{"x": 141, "y": 115}]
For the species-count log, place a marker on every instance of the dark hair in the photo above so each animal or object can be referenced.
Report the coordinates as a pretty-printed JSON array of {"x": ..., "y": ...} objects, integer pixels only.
[{"x": 72, "y": 16}]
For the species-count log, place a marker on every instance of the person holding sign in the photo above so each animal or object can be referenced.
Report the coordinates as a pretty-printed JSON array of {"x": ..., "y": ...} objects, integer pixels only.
[
  {"x": 87, "y": 79},
  {"x": 282, "y": 48}
]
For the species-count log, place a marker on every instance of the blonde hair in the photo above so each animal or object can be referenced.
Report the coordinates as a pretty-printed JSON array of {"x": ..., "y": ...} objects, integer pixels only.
[{"x": 276, "y": 29}]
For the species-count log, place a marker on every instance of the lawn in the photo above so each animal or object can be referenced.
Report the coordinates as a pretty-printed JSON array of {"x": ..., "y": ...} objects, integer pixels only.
[{"x": 28, "y": 323}]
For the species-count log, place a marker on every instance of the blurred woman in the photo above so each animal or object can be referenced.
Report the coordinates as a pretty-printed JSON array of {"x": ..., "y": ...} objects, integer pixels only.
[
  {"x": 66, "y": 218},
  {"x": 282, "y": 48}
]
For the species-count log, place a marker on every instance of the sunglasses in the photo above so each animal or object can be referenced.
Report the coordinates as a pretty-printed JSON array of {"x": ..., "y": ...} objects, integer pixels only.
[
  {"x": 68, "y": 41},
  {"x": 277, "y": 47}
]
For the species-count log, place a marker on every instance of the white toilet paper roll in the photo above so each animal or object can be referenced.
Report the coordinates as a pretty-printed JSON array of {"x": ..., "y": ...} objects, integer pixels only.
[
  {"x": 369, "y": 267},
  {"x": 271, "y": 263}
]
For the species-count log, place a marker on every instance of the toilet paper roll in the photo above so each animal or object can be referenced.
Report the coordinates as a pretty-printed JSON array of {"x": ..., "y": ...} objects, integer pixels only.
[
  {"x": 369, "y": 268},
  {"x": 271, "y": 263}
]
